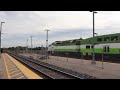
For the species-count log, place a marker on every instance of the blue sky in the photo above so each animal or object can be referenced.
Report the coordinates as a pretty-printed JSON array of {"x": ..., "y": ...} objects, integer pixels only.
[{"x": 63, "y": 25}]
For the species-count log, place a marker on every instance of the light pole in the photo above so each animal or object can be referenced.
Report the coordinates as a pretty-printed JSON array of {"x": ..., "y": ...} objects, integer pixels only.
[
  {"x": 47, "y": 44},
  {"x": 42, "y": 51},
  {"x": 0, "y": 36},
  {"x": 31, "y": 46},
  {"x": 27, "y": 46},
  {"x": 93, "y": 61}
]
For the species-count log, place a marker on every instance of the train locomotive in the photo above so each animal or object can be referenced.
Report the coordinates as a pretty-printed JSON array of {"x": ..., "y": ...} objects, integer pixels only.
[
  {"x": 107, "y": 45},
  {"x": 65, "y": 48}
]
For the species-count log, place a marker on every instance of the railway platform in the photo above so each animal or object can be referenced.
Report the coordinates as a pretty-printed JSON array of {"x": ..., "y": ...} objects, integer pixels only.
[
  {"x": 10, "y": 68},
  {"x": 109, "y": 70}
]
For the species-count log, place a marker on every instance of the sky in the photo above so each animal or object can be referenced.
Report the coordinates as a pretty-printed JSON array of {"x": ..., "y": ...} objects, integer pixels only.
[{"x": 63, "y": 25}]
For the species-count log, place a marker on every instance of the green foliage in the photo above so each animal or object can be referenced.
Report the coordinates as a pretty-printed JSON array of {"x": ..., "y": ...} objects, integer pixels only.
[{"x": 23, "y": 48}]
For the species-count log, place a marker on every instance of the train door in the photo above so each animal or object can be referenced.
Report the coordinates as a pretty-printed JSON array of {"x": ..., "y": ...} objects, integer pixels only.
[{"x": 106, "y": 48}]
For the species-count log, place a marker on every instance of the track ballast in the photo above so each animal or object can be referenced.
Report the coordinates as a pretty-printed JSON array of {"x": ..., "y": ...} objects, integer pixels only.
[{"x": 51, "y": 71}]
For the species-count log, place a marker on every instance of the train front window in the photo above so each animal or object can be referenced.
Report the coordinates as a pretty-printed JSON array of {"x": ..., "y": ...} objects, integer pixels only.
[
  {"x": 99, "y": 39},
  {"x": 74, "y": 41},
  {"x": 106, "y": 39}
]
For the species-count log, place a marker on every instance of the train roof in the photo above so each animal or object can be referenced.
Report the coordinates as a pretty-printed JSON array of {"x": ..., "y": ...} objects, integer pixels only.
[
  {"x": 107, "y": 35},
  {"x": 108, "y": 38},
  {"x": 69, "y": 41}
]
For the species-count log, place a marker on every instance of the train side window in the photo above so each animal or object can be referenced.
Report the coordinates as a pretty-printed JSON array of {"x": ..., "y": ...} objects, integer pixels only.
[
  {"x": 108, "y": 49},
  {"x": 87, "y": 46},
  {"x": 92, "y": 46},
  {"x": 114, "y": 38},
  {"x": 104, "y": 49}
]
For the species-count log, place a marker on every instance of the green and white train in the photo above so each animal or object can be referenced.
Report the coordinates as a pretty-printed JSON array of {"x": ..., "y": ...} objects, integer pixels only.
[
  {"x": 65, "y": 48},
  {"x": 108, "y": 45}
]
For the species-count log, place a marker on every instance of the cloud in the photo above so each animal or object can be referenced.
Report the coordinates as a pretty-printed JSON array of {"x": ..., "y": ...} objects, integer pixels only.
[{"x": 20, "y": 25}]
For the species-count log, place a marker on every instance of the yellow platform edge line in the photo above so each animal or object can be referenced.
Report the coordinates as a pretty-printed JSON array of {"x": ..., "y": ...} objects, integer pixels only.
[
  {"x": 6, "y": 67},
  {"x": 11, "y": 58},
  {"x": 16, "y": 65}
]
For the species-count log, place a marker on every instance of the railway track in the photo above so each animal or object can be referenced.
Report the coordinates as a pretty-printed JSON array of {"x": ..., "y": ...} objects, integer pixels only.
[{"x": 51, "y": 71}]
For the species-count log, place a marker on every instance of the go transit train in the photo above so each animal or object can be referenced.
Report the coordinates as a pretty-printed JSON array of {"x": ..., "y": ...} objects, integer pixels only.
[{"x": 108, "y": 45}]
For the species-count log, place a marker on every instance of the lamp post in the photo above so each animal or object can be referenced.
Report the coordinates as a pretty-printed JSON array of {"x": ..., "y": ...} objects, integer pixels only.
[
  {"x": 0, "y": 36},
  {"x": 47, "y": 44},
  {"x": 93, "y": 60}
]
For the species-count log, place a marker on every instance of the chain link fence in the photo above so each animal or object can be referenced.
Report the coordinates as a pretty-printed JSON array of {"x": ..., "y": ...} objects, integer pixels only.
[{"x": 35, "y": 54}]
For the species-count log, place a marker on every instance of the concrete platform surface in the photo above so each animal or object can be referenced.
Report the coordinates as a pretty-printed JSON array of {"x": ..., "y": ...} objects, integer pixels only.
[
  {"x": 110, "y": 71},
  {"x": 13, "y": 69},
  {"x": 3, "y": 73}
]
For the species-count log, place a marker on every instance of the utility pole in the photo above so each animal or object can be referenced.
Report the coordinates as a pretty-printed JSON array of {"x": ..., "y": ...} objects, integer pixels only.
[
  {"x": 93, "y": 61},
  {"x": 27, "y": 46},
  {"x": 42, "y": 51},
  {"x": 27, "y": 43},
  {"x": 0, "y": 36},
  {"x": 31, "y": 46},
  {"x": 47, "y": 44}
]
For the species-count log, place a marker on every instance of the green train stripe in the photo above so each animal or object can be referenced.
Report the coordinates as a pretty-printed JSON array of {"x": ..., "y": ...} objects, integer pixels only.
[
  {"x": 71, "y": 50},
  {"x": 97, "y": 50},
  {"x": 100, "y": 50}
]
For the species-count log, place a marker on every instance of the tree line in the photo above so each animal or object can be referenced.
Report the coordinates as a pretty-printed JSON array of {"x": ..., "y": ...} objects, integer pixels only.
[{"x": 24, "y": 48}]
